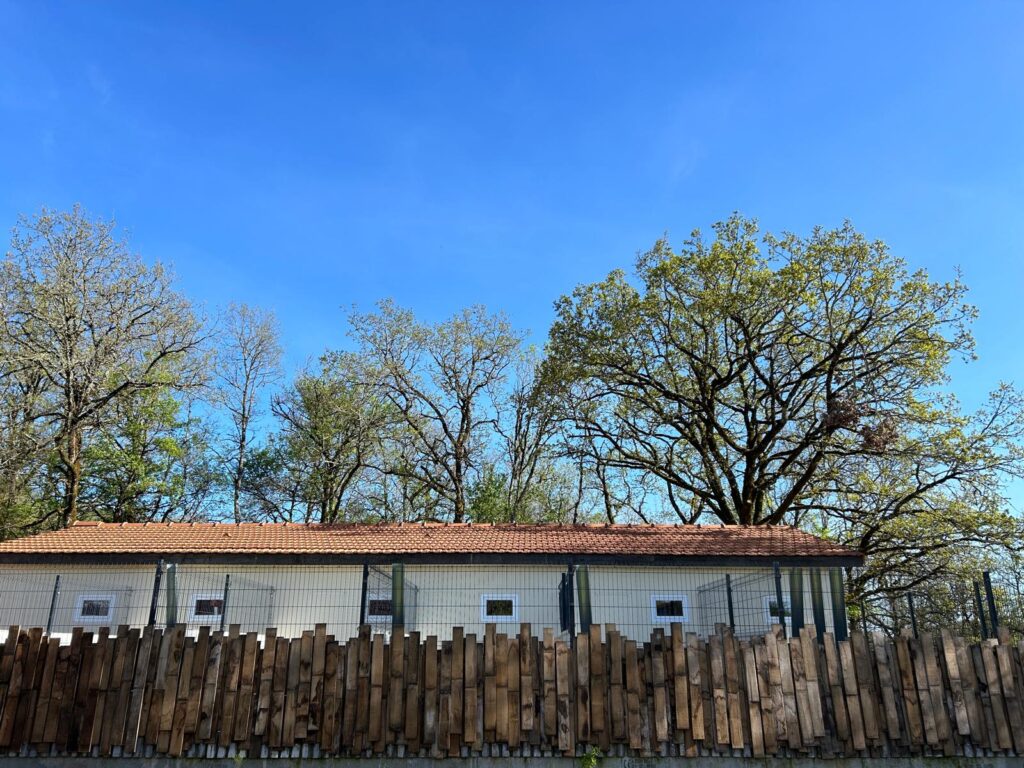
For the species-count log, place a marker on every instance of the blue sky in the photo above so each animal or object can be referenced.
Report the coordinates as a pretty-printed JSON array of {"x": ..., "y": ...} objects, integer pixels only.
[{"x": 306, "y": 157}]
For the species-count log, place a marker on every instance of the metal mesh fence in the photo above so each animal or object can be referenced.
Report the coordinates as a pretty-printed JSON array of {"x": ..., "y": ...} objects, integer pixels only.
[{"x": 428, "y": 599}]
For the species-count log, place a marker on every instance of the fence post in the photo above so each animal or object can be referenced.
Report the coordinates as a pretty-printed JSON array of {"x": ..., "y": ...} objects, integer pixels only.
[
  {"x": 817, "y": 603},
  {"x": 728, "y": 602},
  {"x": 156, "y": 592},
  {"x": 397, "y": 597},
  {"x": 172, "y": 595},
  {"x": 362, "y": 595},
  {"x": 583, "y": 590},
  {"x": 981, "y": 611},
  {"x": 913, "y": 616},
  {"x": 224, "y": 600},
  {"x": 53, "y": 604},
  {"x": 796, "y": 600},
  {"x": 570, "y": 582},
  {"x": 837, "y": 592},
  {"x": 779, "y": 605},
  {"x": 991, "y": 598}
]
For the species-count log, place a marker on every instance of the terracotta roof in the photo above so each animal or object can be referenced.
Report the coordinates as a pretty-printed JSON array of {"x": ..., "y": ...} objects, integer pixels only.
[{"x": 426, "y": 539}]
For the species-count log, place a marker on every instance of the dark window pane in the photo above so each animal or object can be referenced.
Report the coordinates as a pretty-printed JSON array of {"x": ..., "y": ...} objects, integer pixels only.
[
  {"x": 213, "y": 606},
  {"x": 378, "y": 608},
  {"x": 500, "y": 608},
  {"x": 95, "y": 607},
  {"x": 669, "y": 607}
]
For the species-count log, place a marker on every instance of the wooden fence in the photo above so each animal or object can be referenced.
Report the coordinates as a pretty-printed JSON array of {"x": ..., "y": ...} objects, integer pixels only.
[{"x": 164, "y": 692}]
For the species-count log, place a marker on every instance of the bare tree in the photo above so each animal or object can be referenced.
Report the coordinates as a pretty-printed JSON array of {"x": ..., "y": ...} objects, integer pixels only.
[
  {"x": 249, "y": 362},
  {"x": 95, "y": 323},
  {"x": 442, "y": 380}
]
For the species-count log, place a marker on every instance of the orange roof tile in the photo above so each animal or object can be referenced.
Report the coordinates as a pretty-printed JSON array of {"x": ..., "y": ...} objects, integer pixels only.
[{"x": 641, "y": 541}]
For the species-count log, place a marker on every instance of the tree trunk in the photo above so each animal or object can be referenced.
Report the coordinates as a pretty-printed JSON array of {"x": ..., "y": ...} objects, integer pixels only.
[{"x": 72, "y": 475}]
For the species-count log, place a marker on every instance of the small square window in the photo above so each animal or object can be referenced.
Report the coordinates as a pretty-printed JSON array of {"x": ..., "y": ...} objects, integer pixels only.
[
  {"x": 668, "y": 609},
  {"x": 771, "y": 610},
  {"x": 94, "y": 609},
  {"x": 499, "y": 608},
  {"x": 206, "y": 608},
  {"x": 379, "y": 607}
]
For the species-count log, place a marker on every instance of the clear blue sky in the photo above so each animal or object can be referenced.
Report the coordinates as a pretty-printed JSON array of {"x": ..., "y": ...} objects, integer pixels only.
[{"x": 307, "y": 156}]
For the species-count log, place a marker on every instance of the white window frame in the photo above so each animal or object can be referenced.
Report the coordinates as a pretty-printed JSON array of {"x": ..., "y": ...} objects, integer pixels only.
[
  {"x": 80, "y": 604},
  {"x": 379, "y": 616},
  {"x": 682, "y": 597},
  {"x": 486, "y": 618},
  {"x": 193, "y": 617},
  {"x": 787, "y": 609}
]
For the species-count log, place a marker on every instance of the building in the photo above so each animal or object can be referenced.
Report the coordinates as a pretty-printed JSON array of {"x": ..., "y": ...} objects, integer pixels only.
[{"x": 426, "y": 578}]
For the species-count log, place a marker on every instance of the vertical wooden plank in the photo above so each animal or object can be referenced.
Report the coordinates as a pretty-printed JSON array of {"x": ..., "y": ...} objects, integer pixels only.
[
  {"x": 490, "y": 684},
  {"x": 890, "y": 711},
  {"x": 801, "y": 693},
  {"x": 866, "y": 684},
  {"x": 514, "y": 681},
  {"x": 753, "y": 701},
  {"x": 176, "y": 742},
  {"x": 208, "y": 694},
  {"x": 396, "y": 682},
  {"x": 658, "y": 688},
  {"x": 770, "y": 735},
  {"x": 852, "y": 691},
  {"x": 716, "y": 659},
  {"x": 1004, "y": 661},
  {"x": 582, "y": 688},
  {"x": 332, "y": 676},
  {"x": 242, "y": 729},
  {"x": 928, "y": 714},
  {"x": 457, "y": 691},
  {"x": 566, "y": 742},
  {"x": 1004, "y": 740},
  {"x": 173, "y": 667},
  {"x": 52, "y": 649},
  {"x": 936, "y": 690},
  {"x": 680, "y": 678},
  {"x": 430, "y": 691},
  {"x": 413, "y": 691},
  {"x": 156, "y": 697},
  {"x": 733, "y": 685},
  {"x": 693, "y": 653},
  {"x": 633, "y": 687},
  {"x": 376, "y": 729},
  {"x": 809, "y": 649},
  {"x": 956, "y": 689},
  {"x": 304, "y": 692},
  {"x": 138, "y": 691},
  {"x": 793, "y": 735},
  {"x": 501, "y": 688},
  {"x": 266, "y": 683},
  {"x": 469, "y": 698},
  {"x": 526, "y": 671},
  {"x": 316, "y": 687},
  {"x": 617, "y": 696},
  {"x": 444, "y": 692},
  {"x": 911, "y": 705},
  {"x": 279, "y": 692}
]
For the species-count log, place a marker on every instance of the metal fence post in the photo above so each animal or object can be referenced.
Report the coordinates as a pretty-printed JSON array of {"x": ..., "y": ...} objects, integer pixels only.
[
  {"x": 397, "y": 597},
  {"x": 362, "y": 595},
  {"x": 53, "y": 604},
  {"x": 583, "y": 589},
  {"x": 156, "y": 592},
  {"x": 837, "y": 591},
  {"x": 796, "y": 600},
  {"x": 981, "y": 611},
  {"x": 172, "y": 595},
  {"x": 993, "y": 616},
  {"x": 780, "y": 606},
  {"x": 728, "y": 602},
  {"x": 224, "y": 600}
]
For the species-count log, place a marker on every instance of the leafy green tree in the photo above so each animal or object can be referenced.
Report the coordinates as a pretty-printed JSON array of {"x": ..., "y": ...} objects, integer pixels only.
[
  {"x": 93, "y": 324},
  {"x": 149, "y": 461},
  {"x": 781, "y": 379}
]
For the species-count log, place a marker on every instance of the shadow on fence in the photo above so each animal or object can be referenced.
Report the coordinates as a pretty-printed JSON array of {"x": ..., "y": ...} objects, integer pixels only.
[{"x": 214, "y": 694}]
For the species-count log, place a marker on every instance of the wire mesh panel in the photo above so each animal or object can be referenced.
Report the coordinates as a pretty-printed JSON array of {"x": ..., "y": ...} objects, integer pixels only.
[{"x": 428, "y": 599}]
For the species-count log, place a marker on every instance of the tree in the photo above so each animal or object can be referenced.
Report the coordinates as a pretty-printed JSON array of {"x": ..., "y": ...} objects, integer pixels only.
[
  {"x": 331, "y": 422},
  {"x": 94, "y": 324},
  {"x": 792, "y": 380},
  {"x": 149, "y": 461},
  {"x": 746, "y": 380},
  {"x": 248, "y": 363},
  {"x": 444, "y": 382}
]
